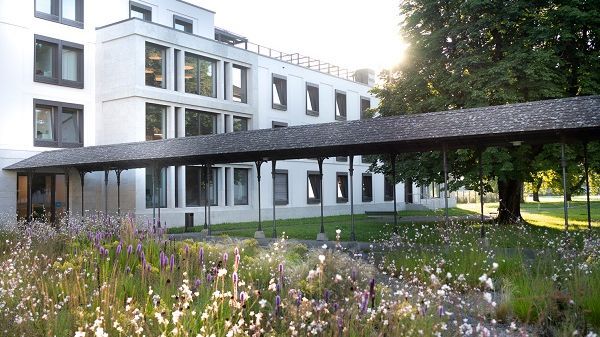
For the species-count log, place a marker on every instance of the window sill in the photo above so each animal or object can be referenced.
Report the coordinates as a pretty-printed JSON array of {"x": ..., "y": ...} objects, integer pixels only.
[
  {"x": 57, "y": 19},
  {"x": 279, "y": 107},
  {"x": 342, "y": 200},
  {"x": 340, "y": 118},
  {"x": 312, "y": 113},
  {"x": 367, "y": 200},
  {"x": 281, "y": 203},
  {"x": 42, "y": 143},
  {"x": 313, "y": 201},
  {"x": 54, "y": 81}
]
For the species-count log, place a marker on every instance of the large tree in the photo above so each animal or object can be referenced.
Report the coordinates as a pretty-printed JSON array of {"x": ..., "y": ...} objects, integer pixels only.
[{"x": 473, "y": 53}]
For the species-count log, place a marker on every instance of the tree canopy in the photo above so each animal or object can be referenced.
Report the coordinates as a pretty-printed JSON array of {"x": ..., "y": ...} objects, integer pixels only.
[{"x": 474, "y": 53}]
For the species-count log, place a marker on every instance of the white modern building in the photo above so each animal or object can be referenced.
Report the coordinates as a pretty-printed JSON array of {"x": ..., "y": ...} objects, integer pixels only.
[{"x": 84, "y": 73}]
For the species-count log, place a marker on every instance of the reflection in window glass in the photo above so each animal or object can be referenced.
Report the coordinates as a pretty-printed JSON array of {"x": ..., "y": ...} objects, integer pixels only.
[
  {"x": 279, "y": 93},
  {"x": 44, "y": 129},
  {"x": 342, "y": 188},
  {"x": 198, "y": 123},
  {"x": 70, "y": 59},
  {"x": 312, "y": 98},
  {"x": 200, "y": 75},
  {"x": 159, "y": 198},
  {"x": 281, "y": 188},
  {"x": 240, "y": 124},
  {"x": 340, "y": 105},
  {"x": 155, "y": 65},
  {"x": 182, "y": 25},
  {"x": 69, "y": 9},
  {"x": 367, "y": 188},
  {"x": 156, "y": 122},
  {"x": 240, "y": 186},
  {"x": 388, "y": 189},
  {"x": 140, "y": 12},
  {"x": 46, "y": 6},
  {"x": 69, "y": 126},
  {"x": 239, "y": 84},
  {"x": 314, "y": 188},
  {"x": 195, "y": 186},
  {"x": 45, "y": 54}
]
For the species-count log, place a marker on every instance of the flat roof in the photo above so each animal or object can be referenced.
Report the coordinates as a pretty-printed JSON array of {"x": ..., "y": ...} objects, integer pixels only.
[{"x": 549, "y": 121}]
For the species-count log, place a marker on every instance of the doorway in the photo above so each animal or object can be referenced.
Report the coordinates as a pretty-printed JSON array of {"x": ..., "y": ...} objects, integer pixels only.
[{"x": 43, "y": 196}]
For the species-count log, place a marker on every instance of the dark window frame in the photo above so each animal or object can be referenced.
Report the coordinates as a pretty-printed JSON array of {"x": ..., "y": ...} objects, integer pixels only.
[
  {"x": 184, "y": 23},
  {"x": 56, "y": 131},
  {"x": 275, "y": 125},
  {"x": 287, "y": 188},
  {"x": 214, "y": 66},
  {"x": 282, "y": 107},
  {"x": 313, "y": 86},
  {"x": 344, "y": 116},
  {"x": 362, "y": 188},
  {"x": 312, "y": 201},
  {"x": 244, "y": 80},
  {"x": 161, "y": 201},
  {"x": 144, "y": 9},
  {"x": 386, "y": 181},
  {"x": 341, "y": 159},
  {"x": 165, "y": 112},
  {"x": 213, "y": 116},
  {"x": 202, "y": 193},
  {"x": 164, "y": 64},
  {"x": 341, "y": 200},
  {"x": 234, "y": 117},
  {"x": 362, "y": 111},
  {"x": 57, "y": 63},
  {"x": 57, "y": 7},
  {"x": 247, "y": 170}
]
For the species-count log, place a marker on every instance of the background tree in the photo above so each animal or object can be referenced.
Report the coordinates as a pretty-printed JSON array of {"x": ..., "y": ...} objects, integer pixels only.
[{"x": 474, "y": 53}]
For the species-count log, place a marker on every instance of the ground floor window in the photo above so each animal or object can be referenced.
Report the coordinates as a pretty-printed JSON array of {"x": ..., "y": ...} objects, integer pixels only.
[
  {"x": 281, "y": 187},
  {"x": 240, "y": 186},
  {"x": 196, "y": 185},
  {"x": 367, "y": 188},
  {"x": 314, "y": 188},
  {"x": 160, "y": 198},
  {"x": 48, "y": 200},
  {"x": 342, "y": 187},
  {"x": 388, "y": 189}
]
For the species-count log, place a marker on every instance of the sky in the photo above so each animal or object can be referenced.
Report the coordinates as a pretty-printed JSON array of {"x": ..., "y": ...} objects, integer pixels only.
[{"x": 352, "y": 34}]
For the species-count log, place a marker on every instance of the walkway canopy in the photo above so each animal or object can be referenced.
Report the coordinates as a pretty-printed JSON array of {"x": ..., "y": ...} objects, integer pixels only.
[{"x": 560, "y": 120}]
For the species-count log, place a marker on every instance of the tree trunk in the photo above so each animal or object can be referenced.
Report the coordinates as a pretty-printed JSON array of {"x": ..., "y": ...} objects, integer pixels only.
[
  {"x": 536, "y": 190},
  {"x": 509, "y": 192}
]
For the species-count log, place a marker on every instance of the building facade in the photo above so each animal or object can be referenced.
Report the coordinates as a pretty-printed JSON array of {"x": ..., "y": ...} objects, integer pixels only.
[{"x": 87, "y": 73}]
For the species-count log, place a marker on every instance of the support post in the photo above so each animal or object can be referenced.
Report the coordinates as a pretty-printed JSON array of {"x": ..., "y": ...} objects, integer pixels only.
[
  {"x": 208, "y": 202},
  {"x": 206, "y": 197},
  {"x": 159, "y": 188},
  {"x": 563, "y": 162},
  {"x": 351, "y": 173},
  {"x": 481, "y": 192},
  {"x": 118, "y": 173},
  {"x": 153, "y": 195},
  {"x": 259, "y": 234},
  {"x": 67, "y": 202},
  {"x": 273, "y": 165},
  {"x": 446, "y": 219},
  {"x": 105, "y": 195},
  {"x": 321, "y": 236},
  {"x": 29, "y": 201},
  {"x": 82, "y": 179},
  {"x": 587, "y": 184},
  {"x": 393, "y": 160}
]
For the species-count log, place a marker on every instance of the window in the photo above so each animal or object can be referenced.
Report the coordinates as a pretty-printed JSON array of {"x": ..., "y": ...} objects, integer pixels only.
[
  {"x": 312, "y": 99},
  {"x": 155, "y": 65},
  {"x": 342, "y": 187},
  {"x": 240, "y": 186},
  {"x": 58, "y": 62},
  {"x": 160, "y": 198},
  {"x": 432, "y": 190},
  {"x": 388, "y": 189},
  {"x": 240, "y": 124},
  {"x": 239, "y": 81},
  {"x": 341, "y": 159},
  {"x": 140, "y": 11},
  {"x": 156, "y": 122},
  {"x": 57, "y": 124},
  {"x": 195, "y": 186},
  {"x": 365, "y": 105},
  {"x": 279, "y": 92},
  {"x": 340, "y": 105},
  {"x": 276, "y": 125},
  {"x": 68, "y": 12},
  {"x": 314, "y": 188},
  {"x": 281, "y": 187},
  {"x": 183, "y": 24},
  {"x": 199, "y": 123},
  {"x": 200, "y": 75},
  {"x": 367, "y": 188}
]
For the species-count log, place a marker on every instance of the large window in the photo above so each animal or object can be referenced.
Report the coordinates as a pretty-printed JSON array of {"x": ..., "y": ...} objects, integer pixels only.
[
  {"x": 156, "y": 193},
  {"x": 240, "y": 186},
  {"x": 200, "y": 75},
  {"x": 68, "y": 12},
  {"x": 58, "y": 62},
  {"x": 312, "y": 99},
  {"x": 388, "y": 189},
  {"x": 156, "y": 122},
  {"x": 314, "y": 188},
  {"x": 240, "y": 124},
  {"x": 365, "y": 105},
  {"x": 281, "y": 187},
  {"x": 140, "y": 11},
  {"x": 198, "y": 123},
  {"x": 156, "y": 65},
  {"x": 340, "y": 105},
  {"x": 57, "y": 124},
  {"x": 195, "y": 186},
  {"x": 183, "y": 24},
  {"x": 342, "y": 187},
  {"x": 239, "y": 82},
  {"x": 279, "y": 92},
  {"x": 367, "y": 188}
]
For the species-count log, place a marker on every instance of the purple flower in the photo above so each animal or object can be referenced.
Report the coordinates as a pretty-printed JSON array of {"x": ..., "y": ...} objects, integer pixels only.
[
  {"x": 172, "y": 262},
  {"x": 129, "y": 250},
  {"x": 201, "y": 255},
  {"x": 209, "y": 278},
  {"x": 234, "y": 278},
  {"x": 326, "y": 295},
  {"x": 441, "y": 310},
  {"x": 299, "y": 298},
  {"x": 236, "y": 251},
  {"x": 139, "y": 248},
  {"x": 243, "y": 297},
  {"x": 277, "y": 304},
  {"x": 118, "y": 250},
  {"x": 187, "y": 250},
  {"x": 353, "y": 275},
  {"x": 127, "y": 270},
  {"x": 281, "y": 269},
  {"x": 197, "y": 283},
  {"x": 225, "y": 257}
]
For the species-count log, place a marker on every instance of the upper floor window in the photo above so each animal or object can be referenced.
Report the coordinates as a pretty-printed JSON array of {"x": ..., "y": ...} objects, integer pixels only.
[
  {"x": 57, "y": 124},
  {"x": 58, "y": 62},
  {"x": 68, "y": 12},
  {"x": 156, "y": 121},
  {"x": 200, "y": 75},
  {"x": 183, "y": 24},
  {"x": 199, "y": 123},
  {"x": 140, "y": 11},
  {"x": 239, "y": 81},
  {"x": 340, "y": 105},
  {"x": 279, "y": 92},
  {"x": 240, "y": 124},
  {"x": 312, "y": 99},
  {"x": 155, "y": 65},
  {"x": 365, "y": 105}
]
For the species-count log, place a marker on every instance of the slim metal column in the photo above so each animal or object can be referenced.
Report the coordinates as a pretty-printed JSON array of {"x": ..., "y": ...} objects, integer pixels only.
[
  {"x": 106, "y": 194},
  {"x": 563, "y": 162},
  {"x": 351, "y": 172},
  {"x": 259, "y": 232},
  {"x": 446, "y": 219},
  {"x": 587, "y": 184},
  {"x": 273, "y": 164},
  {"x": 321, "y": 236},
  {"x": 82, "y": 179},
  {"x": 481, "y": 192},
  {"x": 393, "y": 161},
  {"x": 118, "y": 173}
]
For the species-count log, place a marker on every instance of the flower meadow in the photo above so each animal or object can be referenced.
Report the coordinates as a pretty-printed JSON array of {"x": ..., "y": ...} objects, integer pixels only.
[{"x": 109, "y": 277}]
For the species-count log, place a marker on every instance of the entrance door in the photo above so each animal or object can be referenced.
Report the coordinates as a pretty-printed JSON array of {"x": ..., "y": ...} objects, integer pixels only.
[{"x": 48, "y": 196}]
